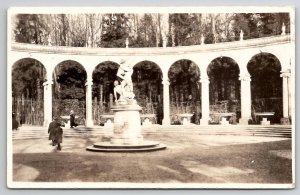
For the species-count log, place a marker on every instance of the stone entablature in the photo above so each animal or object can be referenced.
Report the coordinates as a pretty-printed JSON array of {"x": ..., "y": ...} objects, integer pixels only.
[{"x": 235, "y": 45}]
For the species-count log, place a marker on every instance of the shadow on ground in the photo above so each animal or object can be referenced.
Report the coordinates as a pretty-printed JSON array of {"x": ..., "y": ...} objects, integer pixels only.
[{"x": 186, "y": 160}]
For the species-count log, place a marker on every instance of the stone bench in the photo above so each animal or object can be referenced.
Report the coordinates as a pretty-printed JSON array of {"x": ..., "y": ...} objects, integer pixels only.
[
  {"x": 223, "y": 117},
  {"x": 185, "y": 119},
  {"x": 145, "y": 119},
  {"x": 264, "y": 115}
]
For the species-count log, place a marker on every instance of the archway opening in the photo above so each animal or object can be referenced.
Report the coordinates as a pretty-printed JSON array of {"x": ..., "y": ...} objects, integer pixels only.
[
  {"x": 184, "y": 76},
  {"x": 28, "y": 76},
  {"x": 69, "y": 79},
  {"x": 104, "y": 76},
  {"x": 148, "y": 90},
  {"x": 266, "y": 86},
  {"x": 224, "y": 90}
]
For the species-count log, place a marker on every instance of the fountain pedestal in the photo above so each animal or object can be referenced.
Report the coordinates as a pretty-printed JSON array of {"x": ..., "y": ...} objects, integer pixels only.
[
  {"x": 127, "y": 136},
  {"x": 127, "y": 125}
]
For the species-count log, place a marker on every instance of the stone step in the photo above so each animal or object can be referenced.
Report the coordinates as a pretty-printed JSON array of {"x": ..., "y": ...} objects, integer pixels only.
[{"x": 275, "y": 131}]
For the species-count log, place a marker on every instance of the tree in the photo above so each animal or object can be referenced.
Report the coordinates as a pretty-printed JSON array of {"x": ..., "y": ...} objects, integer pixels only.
[{"x": 115, "y": 30}]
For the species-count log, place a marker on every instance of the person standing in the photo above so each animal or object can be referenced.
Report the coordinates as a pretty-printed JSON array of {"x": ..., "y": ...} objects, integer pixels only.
[
  {"x": 55, "y": 133},
  {"x": 72, "y": 119},
  {"x": 15, "y": 124}
]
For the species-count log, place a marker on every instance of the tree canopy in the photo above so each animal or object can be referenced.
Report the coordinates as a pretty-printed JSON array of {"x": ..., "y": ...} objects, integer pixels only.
[{"x": 144, "y": 30}]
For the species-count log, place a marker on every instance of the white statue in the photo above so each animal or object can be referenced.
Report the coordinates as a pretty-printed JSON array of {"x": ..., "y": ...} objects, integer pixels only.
[
  {"x": 126, "y": 88},
  {"x": 283, "y": 29},
  {"x": 117, "y": 90},
  {"x": 241, "y": 35}
]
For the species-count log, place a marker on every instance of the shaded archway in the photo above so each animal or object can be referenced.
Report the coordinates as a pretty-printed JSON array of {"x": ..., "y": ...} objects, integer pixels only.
[
  {"x": 28, "y": 76},
  {"x": 224, "y": 88},
  {"x": 104, "y": 76},
  {"x": 266, "y": 85},
  {"x": 184, "y": 76},
  {"x": 69, "y": 92},
  {"x": 148, "y": 89}
]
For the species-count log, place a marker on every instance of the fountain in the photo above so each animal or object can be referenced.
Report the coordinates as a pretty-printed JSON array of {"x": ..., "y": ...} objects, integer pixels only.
[{"x": 127, "y": 135}]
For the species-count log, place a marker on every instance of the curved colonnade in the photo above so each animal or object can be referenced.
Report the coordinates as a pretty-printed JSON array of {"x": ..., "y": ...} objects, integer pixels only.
[{"x": 201, "y": 55}]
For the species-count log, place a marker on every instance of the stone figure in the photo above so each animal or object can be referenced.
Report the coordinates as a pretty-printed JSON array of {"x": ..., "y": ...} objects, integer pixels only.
[
  {"x": 117, "y": 91},
  {"x": 124, "y": 73}
]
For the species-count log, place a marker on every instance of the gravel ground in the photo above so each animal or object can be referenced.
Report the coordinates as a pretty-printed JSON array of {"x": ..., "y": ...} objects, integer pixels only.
[{"x": 187, "y": 159}]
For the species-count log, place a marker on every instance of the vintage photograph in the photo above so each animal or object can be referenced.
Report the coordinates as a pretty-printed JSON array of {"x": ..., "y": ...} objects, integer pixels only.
[{"x": 151, "y": 97}]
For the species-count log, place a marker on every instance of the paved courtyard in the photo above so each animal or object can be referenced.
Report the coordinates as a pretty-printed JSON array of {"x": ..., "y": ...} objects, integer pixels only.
[{"x": 189, "y": 158}]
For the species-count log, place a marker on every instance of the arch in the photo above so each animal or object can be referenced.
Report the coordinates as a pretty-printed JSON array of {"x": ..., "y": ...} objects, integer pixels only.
[
  {"x": 34, "y": 59},
  {"x": 104, "y": 75},
  {"x": 176, "y": 61},
  {"x": 266, "y": 85},
  {"x": 28, "y": 75},
  {"x": 148, "y": 88},
  {"x": 224, "y": 87},
  {"x": 69, "y": 78},
  {"x": 185, "y": 95}
]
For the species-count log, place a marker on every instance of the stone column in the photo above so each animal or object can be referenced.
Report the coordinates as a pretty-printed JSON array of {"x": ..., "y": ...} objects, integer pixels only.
[
  {"x": 285, "y": 96},
  {"x": 166, "y": 120},
  {"x": 89, "y": 104},
  {"x": 204, "y": 101},
  {"x": 47, "y": 102},
  {"x": 245, "y": 99}
]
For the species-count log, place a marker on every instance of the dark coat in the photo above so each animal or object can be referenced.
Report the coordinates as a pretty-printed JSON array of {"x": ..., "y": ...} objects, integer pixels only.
[
  {"x": 55, "y": 132},
  {"x": 15, "y": 124},
  {"x": 72, "y": 121}
]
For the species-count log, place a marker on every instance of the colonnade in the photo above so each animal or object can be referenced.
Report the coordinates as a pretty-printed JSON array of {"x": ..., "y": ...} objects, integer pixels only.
[{"x": 245, "y": 91}]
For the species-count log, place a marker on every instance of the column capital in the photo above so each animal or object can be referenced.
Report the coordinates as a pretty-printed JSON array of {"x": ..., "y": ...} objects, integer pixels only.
[
  {"x": 47, "y": 83},
  {"x": 204, "y": 80},
  {"x": 245, "y": 77},
  {"x": 285, "y": 73},
  {"x": 166, "y": 82},
  {"x": 89, "y": 82}
]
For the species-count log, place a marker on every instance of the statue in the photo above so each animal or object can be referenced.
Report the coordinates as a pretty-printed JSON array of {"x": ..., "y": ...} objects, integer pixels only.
[
  {"x": 125, "y": 90},
  {"x": 283, "y": 29},
  {"x": 117, "y": 90},
  {"x": 241, "y": 35}
]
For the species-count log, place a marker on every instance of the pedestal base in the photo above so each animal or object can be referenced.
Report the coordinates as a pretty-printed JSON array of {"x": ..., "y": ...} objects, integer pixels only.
[
  {"x": 127, "y": 125},
  {"x": 224, "y": 121},
  {"x": 127, "y": 135},
  {"x": 204, "y": 121},
  {"x": 244, "y": 121},
  {"x": 166, "y": 122},
  {"x": 265, "y": 121}
]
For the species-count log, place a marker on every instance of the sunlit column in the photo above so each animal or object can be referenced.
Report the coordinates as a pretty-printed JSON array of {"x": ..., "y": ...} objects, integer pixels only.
[
  {"x": 166, "y": 119},
  {"x": 285, "y": 96},
  {"x": 204, "y": 101},
  {"x": 89, "y": 118},
  {"x": 245, "y": 99},
  {"x": 47, "y": 102}
]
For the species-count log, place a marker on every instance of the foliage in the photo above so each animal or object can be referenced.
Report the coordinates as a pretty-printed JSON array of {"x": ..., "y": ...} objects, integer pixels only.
[
  {"x": 25, "y": 75},
  {"x": 70, "y": 80},
  {"x": 144, "y": 30}
]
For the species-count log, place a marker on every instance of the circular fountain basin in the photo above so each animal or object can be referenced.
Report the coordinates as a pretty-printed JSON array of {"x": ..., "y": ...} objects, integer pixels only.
[{"x": 140, "y": 147}]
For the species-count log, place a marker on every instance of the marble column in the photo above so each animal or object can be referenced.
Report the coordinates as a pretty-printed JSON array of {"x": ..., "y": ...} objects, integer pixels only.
[
  {"x": 285, "y": 96},
  {"x": 47, "y": 102},
  {"x": 166, "y": 97},
  {"x": 245, "y": 99},
  {"x": 89, "y": 104},
  {"x": 204, "y": 100}
]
